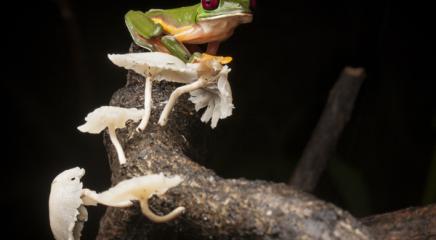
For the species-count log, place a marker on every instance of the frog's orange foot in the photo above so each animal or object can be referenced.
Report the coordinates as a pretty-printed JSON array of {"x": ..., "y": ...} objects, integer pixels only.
[{"x": 221, "y": 59}]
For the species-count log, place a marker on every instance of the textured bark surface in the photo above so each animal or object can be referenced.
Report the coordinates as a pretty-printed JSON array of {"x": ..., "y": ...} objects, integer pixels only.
[
  {"x": 216, "y": 208},
  {"x": 325, "y": 137},
  {"x": 407, "y": 224}
]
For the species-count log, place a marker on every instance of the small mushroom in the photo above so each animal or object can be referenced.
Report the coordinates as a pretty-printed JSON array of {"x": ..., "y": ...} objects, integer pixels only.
[
  {"x": 138, "y": 189},
  {"x": 111, "y": 118},
  {"x": 216, "y": 97},
  {"x": 154, "y": 66},
  {"x": 212, "y": 89},
  {"x": 66, "y": 213},
  {"x": 67, "y": 201}
]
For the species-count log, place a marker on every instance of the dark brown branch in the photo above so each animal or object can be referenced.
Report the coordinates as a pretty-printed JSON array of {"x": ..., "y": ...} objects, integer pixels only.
[
  {"x": 407, "y": 224},
  {"x": 216, "y": 208},
  {"x": 324, "y": 138}
]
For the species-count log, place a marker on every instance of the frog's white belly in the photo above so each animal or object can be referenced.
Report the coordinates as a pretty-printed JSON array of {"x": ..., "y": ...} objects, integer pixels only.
[{"x": 212, "y": 30}]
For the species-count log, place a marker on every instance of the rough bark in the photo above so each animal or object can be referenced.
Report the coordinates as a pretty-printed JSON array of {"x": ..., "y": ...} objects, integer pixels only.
[
  {"x": 216, "y": 208},
  {"x": 408, "y": 224},
  {"x": 325, "y": 137}
]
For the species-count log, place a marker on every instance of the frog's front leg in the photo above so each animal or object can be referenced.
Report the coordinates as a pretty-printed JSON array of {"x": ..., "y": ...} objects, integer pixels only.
[
  {"x": 143, "y": 30},
  {"x": 176, "y": 48}
]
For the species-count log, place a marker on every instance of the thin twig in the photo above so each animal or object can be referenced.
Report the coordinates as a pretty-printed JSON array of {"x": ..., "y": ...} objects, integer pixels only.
[{"x": 324, "y": 138}]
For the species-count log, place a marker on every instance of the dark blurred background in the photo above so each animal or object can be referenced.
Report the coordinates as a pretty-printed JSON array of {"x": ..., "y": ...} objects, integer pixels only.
[{"x": 284, "y": 64}]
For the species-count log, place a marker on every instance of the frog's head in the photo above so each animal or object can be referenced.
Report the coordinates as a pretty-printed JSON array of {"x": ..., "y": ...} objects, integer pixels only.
[{"x": 222, "y": 9}]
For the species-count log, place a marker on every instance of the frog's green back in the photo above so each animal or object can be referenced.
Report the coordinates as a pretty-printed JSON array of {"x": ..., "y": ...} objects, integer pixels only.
[{"x": 177, "y": 17}]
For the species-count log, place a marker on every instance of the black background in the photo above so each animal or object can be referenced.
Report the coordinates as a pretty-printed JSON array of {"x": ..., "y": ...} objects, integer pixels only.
[{"x": 56, "y": 71}]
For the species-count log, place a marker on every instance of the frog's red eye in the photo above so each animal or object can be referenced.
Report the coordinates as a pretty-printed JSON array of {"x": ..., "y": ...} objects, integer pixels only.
[
  {"x": 252, "y": 4},
  {"x": 210, "y": 4}
]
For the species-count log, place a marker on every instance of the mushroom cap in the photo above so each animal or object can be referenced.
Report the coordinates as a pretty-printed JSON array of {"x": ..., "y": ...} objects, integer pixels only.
[
  {"x": 161, "y": 66},
  {"x": 109, "y": 116},
  {"x": 137, "y": 188},
  {"x": 64, "y": 204}
]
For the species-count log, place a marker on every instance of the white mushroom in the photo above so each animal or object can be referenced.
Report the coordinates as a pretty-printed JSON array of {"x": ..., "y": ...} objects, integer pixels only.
[
  {"x": 138, "y": 189},
  {"x": 216, "y": 97},
  {"x": 154, "y": 66},
  {"x": 67, "y": 200},
  {"x": 67, "y": 215},
  {"x": 111, "y": 118},
  {"x": 209, "y": 70}
]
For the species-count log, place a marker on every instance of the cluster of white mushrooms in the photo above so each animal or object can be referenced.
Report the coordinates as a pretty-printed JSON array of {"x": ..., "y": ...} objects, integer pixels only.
[
  {"x": 68, "y": 199},
  {"x": 205, "y": 80}
]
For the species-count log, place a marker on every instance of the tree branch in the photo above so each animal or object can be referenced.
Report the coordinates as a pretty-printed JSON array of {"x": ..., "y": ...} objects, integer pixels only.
[
  {"x": 323, "y": 141},
  {"x": 406, "y": 224},
  {"x": 216, "y": 208}
]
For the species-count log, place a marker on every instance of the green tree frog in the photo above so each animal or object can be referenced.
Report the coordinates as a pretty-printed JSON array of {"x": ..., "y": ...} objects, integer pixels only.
[{"x": 172, "y": 30}]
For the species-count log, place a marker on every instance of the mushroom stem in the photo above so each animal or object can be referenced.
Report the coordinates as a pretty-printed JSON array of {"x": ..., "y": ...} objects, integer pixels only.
[
  {"x": 147, "y": 105},
  {"x": 156, "y": 218},
  {"x": 89, "y": 197},
  {"x": 176, "y": 94},
  {"x": 117, "y": 145}
]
